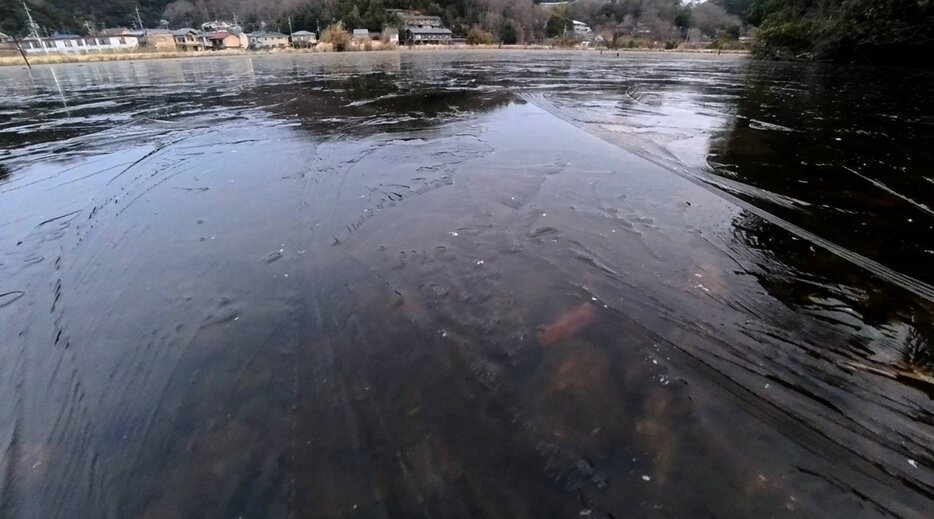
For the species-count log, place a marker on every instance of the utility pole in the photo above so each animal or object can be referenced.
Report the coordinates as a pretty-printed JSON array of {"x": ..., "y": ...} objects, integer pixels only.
[
  {"x": 290, "y": 27},
  {"x": 34, "y": 29},
  {"x": 142, "y": 29},
  {"x": 21, "y": 51}
]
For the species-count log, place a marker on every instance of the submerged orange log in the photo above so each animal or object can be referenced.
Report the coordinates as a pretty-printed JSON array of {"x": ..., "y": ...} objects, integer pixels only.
[{"x": 568, "y": 325}]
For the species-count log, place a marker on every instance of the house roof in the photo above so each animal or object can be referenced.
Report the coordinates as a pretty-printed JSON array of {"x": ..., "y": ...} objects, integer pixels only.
[
  {"x": 3, "y": 35},
  {"x": 183, "y": 32},
  {"x": 429, "y": 30},
  {"x": 303, "y": 33},
  {"x": 113, "y": 31},
  {"x": 220, "y": 35},
  {"x": 267, "y": 34},
  {"x": 58, "y": 36},
  {"x": 220, "y": 25},
  {"x": 409, "y": 17}
]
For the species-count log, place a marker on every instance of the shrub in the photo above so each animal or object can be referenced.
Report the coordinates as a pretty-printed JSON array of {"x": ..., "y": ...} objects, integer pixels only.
[
  {"x": 477, "y": 36},
  {"x": 784, "y": 37},
  {"x": 337, "y": 36}
]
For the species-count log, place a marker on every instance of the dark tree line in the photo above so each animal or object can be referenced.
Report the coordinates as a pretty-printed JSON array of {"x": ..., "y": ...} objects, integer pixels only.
[
  {"x": 881, "y": 31},
  {"x": 519, "y": 18},
  {"x": 75, "y": 16}
]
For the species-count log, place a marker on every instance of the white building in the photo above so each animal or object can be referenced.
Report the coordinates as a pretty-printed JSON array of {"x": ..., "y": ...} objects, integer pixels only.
[
  {"x": 304, "y": 39},
  {"x": 221, "y": 25},
  {"x": 391, "y": 35},
  {"x": 581, "y": 27},
  {"x": 72, "y": 44},
  {"x": 549, "y": 6},
  {"x": 268, "y": 40}
]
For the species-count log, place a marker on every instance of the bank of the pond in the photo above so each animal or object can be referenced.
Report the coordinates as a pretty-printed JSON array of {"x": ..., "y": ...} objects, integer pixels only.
[{"x": 52, "y": 59}]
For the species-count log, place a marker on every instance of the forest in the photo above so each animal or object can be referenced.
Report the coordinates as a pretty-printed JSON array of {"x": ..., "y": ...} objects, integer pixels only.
[
  {"x": 843, "y": 30},
  {"x": 871, "y": 31}
]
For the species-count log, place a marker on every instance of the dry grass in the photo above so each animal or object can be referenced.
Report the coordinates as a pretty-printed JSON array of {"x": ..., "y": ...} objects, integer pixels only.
[
  {"x": 51, "y": 59},
  {"x": 372, "y": 45}
]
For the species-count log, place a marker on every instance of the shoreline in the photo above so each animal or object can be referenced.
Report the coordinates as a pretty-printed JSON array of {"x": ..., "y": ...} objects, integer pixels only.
[{"x": 56, "y": 59}]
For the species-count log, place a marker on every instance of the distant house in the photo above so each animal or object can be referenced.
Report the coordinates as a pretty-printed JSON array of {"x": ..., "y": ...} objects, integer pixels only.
[
  {"x": 420, "y": 29},
  {"x": 643, "y": 28},
  {"x": 268, "y": 40},
  {"x": 73, "y": 44},
  {"x": 221, "y": 26},
  {"x": 361, "y": 34},
  {"x": 160, "y": 39},
  {"x": 188, "y": 39},
  {"x": 224, "y": 40},
  {"x": 391, "y": 35},
  {"x": 416, "y": 19},
  {"x": 304, "y": 39},
  {"x": 581, "y": 27},
  {"x": 423, "y": 35},
  {"x": 7, "y": 47},
  {"x": 550, "y": 6}
]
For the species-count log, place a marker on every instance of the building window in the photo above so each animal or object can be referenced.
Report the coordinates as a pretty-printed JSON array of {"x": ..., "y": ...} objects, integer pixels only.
[{"x": 122, "y": 41}]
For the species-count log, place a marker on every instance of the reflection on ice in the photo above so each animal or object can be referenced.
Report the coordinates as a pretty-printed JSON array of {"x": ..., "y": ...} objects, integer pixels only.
[{"x": 383, "y": 285}]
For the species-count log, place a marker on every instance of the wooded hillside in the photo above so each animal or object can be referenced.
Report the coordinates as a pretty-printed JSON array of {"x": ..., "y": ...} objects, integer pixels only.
[{"x": 883, "y": 31}]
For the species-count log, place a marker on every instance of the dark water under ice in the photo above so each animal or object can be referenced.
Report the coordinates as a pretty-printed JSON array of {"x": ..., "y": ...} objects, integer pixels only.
[{"x": 458, "y": 284}]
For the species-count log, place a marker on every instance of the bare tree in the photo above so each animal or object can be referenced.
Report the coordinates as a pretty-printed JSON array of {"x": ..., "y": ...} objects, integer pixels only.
[
  {"x": 522, "y": 14},
  {"x": 710, "y": 18}
]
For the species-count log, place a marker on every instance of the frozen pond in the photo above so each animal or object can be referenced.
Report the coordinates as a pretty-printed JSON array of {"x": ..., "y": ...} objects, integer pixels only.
[{"x": 490, "y": 284}]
